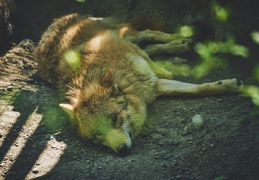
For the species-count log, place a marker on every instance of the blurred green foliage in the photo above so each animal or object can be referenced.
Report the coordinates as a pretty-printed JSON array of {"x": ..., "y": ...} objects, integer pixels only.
[
  {"x": 252, "y": 92},
  {"x": 255, "y": 37},
  {"x": 186, "y": 31},
  {"x": 176, "y": 69},
  {"x": 220, "y": 13},
  {"x": 211, "y": 55}
]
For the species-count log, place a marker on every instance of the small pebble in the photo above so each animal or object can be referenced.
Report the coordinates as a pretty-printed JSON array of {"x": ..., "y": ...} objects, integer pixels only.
[
  {"x": 178, "y": 177},
  {"x": 197, "y": 121}
]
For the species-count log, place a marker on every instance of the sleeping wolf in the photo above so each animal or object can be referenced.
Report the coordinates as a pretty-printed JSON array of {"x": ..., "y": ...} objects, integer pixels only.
[{"x": 107, "y": 80}]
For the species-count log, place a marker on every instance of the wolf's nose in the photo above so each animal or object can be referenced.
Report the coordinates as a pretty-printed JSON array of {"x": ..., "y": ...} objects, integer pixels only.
[{"x": 123, "y": 149}]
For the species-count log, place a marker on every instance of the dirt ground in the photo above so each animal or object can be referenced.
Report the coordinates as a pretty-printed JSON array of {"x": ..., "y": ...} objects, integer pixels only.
[{"x": 37, "y": 142}]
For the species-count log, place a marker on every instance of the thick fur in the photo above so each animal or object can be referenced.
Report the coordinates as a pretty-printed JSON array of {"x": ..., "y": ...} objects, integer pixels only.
[{"x": 109, "y": 81}]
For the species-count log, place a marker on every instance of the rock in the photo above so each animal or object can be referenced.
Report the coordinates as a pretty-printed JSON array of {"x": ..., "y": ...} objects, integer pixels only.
[
  {"x": 178, "y": 177},
  {"x": 197, "y": 121}
]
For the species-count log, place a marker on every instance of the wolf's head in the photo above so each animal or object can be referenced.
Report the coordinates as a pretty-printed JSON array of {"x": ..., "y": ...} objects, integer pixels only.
[{"x": 104, "y": 115}]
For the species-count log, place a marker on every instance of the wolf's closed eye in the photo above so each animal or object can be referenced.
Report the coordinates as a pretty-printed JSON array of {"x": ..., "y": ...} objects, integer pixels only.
[{"x": 114, "y": 119}]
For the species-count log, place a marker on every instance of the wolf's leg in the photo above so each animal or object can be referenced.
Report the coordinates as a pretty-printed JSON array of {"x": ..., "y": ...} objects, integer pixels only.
[
  {"x": 159, "y": 71},
  {"x": 156, "y": 36},
  {"x": 165, "y": 42},
  {"x": 177, "y": 46},
  {"x": 166, "y": 87}
]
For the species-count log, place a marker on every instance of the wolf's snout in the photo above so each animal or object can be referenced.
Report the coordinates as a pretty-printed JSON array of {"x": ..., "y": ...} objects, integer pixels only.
[
  {"x": 119, "y": 141},
  {"x": 123, "y": 149}
]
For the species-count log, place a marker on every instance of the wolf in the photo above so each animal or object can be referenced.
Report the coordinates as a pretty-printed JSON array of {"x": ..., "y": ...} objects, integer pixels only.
[{"x": 106, "y": 80}]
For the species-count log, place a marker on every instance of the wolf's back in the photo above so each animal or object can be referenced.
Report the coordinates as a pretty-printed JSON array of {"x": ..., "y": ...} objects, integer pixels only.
[{"x": 66, "y": 33}]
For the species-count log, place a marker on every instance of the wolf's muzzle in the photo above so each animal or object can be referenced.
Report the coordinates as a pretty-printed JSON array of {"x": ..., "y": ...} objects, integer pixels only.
[{"x": 124, "y": 149}]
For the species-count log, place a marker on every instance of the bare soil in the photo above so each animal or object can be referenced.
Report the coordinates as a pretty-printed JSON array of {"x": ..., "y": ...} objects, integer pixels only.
[{"x": 36, "y": 140}]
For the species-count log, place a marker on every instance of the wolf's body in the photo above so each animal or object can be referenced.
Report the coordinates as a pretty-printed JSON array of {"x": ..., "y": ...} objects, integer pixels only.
[{"x": 108, "y": 80}]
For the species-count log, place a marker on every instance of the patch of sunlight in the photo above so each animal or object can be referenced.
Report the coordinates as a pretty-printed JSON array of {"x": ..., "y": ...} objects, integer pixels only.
[
  {"x": 96, "y": 42},
  {"x": 221, "y": 13},
  {"x": 9, "y": 117},
  {"x": 7, "y": 120},
  {"x": 186, "y": 31},
  {"x": 73, "y": 58},
  {"x": 47, "y": 160},
  {"x": 253, "y": 92},
  {"x": 16, "y": 148},
  {"x": 68, "y": 36},
  {"x": 123, "y": 31},
  {"x": 255, "y": 37}
]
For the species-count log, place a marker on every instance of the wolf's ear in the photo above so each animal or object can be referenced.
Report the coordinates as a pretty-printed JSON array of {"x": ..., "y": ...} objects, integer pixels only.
[
  {"x": 107, "y": 80},
  {"x": 68, "y": 108}
]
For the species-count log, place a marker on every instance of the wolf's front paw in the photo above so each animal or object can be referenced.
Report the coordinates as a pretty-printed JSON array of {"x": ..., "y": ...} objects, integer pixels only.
[{"x": 234, "y": 84}]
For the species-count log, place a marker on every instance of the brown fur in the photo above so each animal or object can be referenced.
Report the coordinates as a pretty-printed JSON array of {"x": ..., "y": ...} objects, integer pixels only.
[{"x": 110, "y": 80}]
